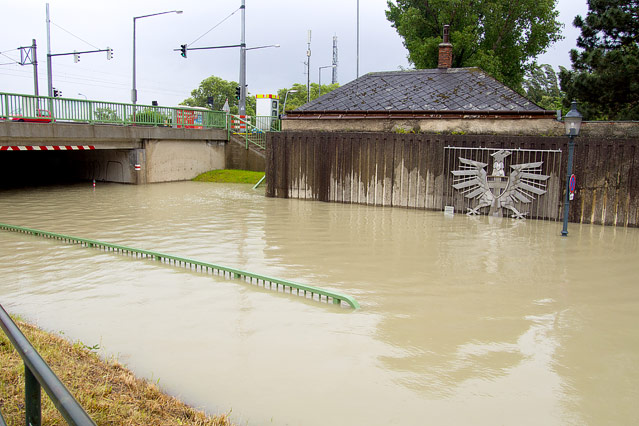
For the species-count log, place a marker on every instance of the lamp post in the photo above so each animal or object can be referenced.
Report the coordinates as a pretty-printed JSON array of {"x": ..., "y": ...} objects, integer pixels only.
[
  {"x": 82, "y": 94},
  {"x": 286, "y": 97},
  {"x": 572, "y": 121},
  {"x": 134, "y": 92},
  {"x": 320, "y": 78}
]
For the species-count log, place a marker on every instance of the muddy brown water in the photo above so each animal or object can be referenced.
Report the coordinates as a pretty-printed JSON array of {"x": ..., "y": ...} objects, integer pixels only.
[{"x": 463, "y": 320}]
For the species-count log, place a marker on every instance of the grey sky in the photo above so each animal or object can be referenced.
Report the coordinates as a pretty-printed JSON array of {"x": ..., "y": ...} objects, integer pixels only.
[{"x": 165, "y": 76}]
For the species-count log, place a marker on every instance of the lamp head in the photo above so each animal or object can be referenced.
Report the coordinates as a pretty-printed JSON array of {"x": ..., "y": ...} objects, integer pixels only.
[{"x": 572, "y": 120}]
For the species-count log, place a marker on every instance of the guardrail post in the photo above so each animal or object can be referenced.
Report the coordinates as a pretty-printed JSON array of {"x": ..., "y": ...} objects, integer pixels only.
[
  {"x": 6, "y": 106},
  {"x": 32, "y": 399},
  {"x": 91, "y": 120}
]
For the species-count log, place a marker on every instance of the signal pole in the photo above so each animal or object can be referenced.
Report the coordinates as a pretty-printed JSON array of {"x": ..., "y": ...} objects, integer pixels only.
[
  {"x": 308, "y": 68},
  {"x": 49, "y": 72},
  {"x": 242, "y": 102}
]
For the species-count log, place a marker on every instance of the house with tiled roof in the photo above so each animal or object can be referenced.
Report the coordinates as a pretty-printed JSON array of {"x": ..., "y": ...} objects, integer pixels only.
[{"x": 464, "y": 100}]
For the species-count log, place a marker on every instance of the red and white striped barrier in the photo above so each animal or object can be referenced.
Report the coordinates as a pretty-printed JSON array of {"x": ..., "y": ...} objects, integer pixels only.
[
  {"x": 47, "y": 148},
  {"x": 237, "y": 125}
]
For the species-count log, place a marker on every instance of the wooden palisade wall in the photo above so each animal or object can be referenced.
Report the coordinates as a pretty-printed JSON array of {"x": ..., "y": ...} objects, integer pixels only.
[{"x": 408, "y": 170}]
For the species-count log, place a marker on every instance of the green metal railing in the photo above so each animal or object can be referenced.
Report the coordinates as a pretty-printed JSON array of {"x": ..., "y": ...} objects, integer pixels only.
[
  {"x": 16, "y": 107},
  {"x": 254, "y": 129},
  {"x": 37, "y": 375},
  {"x": 279, "y": 285}
]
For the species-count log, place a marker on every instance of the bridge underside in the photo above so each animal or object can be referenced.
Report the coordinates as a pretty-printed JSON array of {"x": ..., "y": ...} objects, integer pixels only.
[
  {"x": 41, "y": 154},
  {"x": 27, "y": 168}
]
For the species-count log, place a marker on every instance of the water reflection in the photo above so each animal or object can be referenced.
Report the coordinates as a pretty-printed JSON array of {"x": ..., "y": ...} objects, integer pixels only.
[{"x": 463, "y": 320}]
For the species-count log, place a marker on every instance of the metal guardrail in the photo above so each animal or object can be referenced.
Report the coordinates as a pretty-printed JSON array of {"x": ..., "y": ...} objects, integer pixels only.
[
  {"x": 285, "y": 286},
  {"x": 255, "y": 134},
  {"x": 16, "y": 107},
  {"x": 38, "y": 374}
]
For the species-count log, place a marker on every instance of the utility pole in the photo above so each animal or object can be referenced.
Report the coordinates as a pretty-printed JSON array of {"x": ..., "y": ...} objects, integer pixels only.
[
  {"x": 308, "y": 68},
  {"x": 49, "y": 72},
  {"x": 34, "y": 61},
  {"x": 357, "y": 71},
  {"x": 242, "y": 101},
  {"x": 334, "y": 79}
]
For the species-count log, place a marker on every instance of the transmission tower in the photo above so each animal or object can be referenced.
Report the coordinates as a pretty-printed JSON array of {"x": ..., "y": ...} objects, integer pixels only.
[{"x": 334, "y": 60}]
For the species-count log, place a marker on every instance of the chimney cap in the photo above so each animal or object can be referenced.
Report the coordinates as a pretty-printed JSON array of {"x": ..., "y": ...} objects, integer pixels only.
[{"x": 446, "y": 39}]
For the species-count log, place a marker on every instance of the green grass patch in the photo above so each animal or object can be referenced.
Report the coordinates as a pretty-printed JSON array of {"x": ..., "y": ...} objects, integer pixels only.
[{"x": 230, "y": 176}]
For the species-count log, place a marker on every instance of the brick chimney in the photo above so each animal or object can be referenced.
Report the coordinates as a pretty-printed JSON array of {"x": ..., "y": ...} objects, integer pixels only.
[{"x": 445, "y": 51}]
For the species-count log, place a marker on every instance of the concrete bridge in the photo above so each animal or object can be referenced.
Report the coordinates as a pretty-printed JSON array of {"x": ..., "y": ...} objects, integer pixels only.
[{"x": 40, "y": 153}]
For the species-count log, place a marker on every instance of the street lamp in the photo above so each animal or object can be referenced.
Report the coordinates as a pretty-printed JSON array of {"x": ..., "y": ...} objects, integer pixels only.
[
  {"x": 134, "y": 92},
  {"x": 572, "y": 121},
  {"x": 285, "y": 97},
  {"x": 320, "y": 77},
  {"x": 82, "y": 94}
]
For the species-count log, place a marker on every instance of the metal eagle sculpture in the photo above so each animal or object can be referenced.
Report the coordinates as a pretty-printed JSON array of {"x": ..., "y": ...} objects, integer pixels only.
[{"x": 497, "y": 191}]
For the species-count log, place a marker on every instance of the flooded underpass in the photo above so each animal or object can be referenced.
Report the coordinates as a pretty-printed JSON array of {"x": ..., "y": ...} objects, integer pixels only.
[{"x": 463, "y": 320}]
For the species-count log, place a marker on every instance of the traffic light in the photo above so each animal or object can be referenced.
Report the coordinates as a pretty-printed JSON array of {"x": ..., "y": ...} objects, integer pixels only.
[
  {"x": 57, "y": 93},
  {"x": 237, "y": 93},
  {"x": 183, "y": 50},
  {"x": 109, "y": 53},
  {"x": 76, "y": 57}
]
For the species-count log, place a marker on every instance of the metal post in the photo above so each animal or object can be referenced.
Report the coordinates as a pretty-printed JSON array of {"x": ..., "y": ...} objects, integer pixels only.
[
  {"x": 357, "y": 70},
  {"x": 308, "y": 68},
  {"x": 34, "y": 60},
  {"x": 134, "y": 92},
  {"x": 571, "y": 148},
  {"x": 32, "y": 399},
  {"x": 320, "y": 77},
  {"x": 49, "y": 72},
  {"x": 242, "y": 101}
]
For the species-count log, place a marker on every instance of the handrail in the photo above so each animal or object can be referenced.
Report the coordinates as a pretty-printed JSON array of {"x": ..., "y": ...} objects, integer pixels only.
[
  {"x": 15, "y": 107},
  {"x": 36, "y": 374},
  {"x": 308, "y": 290},
  {"x": 255, "y": 134}
]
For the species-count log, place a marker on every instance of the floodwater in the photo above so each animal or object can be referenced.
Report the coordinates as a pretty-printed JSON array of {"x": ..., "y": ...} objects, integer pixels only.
[{"x": 463, "y": 320}]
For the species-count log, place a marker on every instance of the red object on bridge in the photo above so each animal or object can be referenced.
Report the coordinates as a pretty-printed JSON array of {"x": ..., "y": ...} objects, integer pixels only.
[
  {"x": 237, "y": 125},
  {"x": 47, "y": 148}
]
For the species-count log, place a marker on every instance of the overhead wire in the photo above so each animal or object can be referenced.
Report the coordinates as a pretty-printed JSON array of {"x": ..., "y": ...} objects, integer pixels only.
[
  {"x": 69, "y": 32},
  {"x": 215, "y": 26}
]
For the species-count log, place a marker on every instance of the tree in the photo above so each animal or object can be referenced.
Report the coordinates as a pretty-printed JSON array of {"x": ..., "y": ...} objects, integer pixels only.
[
  {"x": 499, "y": 36},
  {"x": 106, "y": 114},
  {"x": 605, "y": 74},
  {"x": 220, "y": 90},
  {"x": 542, "y": 86},
  {"x": 298, "y": 98}
]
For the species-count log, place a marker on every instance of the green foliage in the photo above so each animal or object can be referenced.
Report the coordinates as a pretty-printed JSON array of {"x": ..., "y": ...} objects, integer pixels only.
[
  {"x": 605, "y": 74},
  {"x": 220, "y": 90},
  {"x": 542, "y": 86},
  {"x": 150, "y": 116},
  {"x": 499, "y": 36},
  {"x": 105, "y": 114},
  {"x": 297, "y": 99}
]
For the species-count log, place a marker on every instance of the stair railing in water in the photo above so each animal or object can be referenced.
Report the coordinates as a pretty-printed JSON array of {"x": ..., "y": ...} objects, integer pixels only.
[
  {"x": 38, "y": 374},
  {"x": 306, "y": 291}
]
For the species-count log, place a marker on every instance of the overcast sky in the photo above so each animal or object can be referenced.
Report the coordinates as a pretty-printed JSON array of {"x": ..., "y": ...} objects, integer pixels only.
[{"x": 163, "y": 75}]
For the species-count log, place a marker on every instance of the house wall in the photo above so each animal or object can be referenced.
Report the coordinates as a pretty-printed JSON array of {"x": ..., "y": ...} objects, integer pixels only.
[
  {"x": 408, "y": 170},
  {"x": 531, "y": 127}
]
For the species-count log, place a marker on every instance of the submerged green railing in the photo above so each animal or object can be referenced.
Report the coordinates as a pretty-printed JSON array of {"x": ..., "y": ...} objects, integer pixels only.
[
  {"x": 38, "y": 375},
  {"x": 16, "y": 107},
  {"x": 285, "y": 286}
]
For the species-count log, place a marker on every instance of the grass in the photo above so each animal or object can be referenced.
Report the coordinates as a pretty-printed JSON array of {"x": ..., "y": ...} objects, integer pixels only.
[
  {"x": 108, "y": 392},
  {"x": 230, "y": 176}
]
